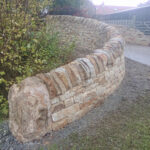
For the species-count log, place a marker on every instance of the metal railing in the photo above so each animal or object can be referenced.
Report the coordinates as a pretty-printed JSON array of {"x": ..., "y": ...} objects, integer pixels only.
[{"x": 143, "y": 26}]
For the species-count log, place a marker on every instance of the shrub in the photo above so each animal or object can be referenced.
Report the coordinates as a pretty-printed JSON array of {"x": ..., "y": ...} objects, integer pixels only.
[{"x": 25, "y": 47}]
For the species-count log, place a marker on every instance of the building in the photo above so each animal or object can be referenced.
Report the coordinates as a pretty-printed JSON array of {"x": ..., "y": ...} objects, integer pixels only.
[{"x": 107, "y": 9}]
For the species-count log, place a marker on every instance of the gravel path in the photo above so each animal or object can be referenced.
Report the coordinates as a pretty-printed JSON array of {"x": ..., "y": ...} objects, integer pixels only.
[{"x": 136, "y": 82}]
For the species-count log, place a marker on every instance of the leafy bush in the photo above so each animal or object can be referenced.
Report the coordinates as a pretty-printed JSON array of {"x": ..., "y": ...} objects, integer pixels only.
[{"x": 25, "y": 47}]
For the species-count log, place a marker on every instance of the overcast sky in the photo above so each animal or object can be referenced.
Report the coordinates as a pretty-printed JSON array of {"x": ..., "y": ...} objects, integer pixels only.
[{"x": 119, "y": 2}]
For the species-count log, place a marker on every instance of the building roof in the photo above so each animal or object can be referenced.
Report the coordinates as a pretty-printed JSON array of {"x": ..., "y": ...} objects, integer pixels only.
[{"x": 107, "y": 9}]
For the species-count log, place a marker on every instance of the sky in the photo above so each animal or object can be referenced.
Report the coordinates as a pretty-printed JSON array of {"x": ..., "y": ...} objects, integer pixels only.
[{"x": 119, "y": 2}]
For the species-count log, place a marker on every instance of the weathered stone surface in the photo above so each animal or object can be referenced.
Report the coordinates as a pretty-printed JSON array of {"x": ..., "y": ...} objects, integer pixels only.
[
  {"x": 49, "y": 101},
  {"x": 67, "y": 112},
  {"x": 69, "y": 102},
  {"x": 57, "y": 107},
  {"x": 92, "y": 59},
  {"x": 133, "y": 36},
  {"x": 50, "y": 84},
  {"x": 60, "y": 124},
  {"x": 72, "y": 75},
  {"x": 29, "y": 109}
]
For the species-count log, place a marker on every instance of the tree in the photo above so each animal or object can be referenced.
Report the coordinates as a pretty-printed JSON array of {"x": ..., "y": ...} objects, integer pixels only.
[
  {"x": 72, "y": 7},
  {"x": 67, "y": 3},
  {"x": 65, "y": 7}
]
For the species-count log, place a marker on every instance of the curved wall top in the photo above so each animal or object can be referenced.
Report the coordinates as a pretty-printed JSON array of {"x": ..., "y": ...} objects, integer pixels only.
[{"x": 49, "y": 101}]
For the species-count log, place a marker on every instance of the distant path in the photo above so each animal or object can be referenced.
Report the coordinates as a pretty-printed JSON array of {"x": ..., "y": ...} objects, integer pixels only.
[{"x": 138, "y": 53}]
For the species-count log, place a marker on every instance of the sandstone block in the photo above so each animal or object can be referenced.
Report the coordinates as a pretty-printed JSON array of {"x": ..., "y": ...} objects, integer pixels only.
[
  {"x": 29, "y": 109},
  {"x": 65, "y": 112},
  {"x": 59, "y": 124}
]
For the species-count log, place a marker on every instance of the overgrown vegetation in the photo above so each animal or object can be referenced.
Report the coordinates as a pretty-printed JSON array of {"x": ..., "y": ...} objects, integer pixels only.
[
  {"x": 25, "y": 46},
  {"x": 125, "y": 129}
]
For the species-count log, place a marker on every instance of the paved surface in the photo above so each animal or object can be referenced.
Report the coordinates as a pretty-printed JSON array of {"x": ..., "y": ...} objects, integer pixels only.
[{"x": 138, "y": 53}]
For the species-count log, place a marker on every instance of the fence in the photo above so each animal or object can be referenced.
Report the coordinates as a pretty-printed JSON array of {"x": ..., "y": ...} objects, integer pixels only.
[
  {"x": 143, "y": 26},
  {"x": 136, "y": 18}
]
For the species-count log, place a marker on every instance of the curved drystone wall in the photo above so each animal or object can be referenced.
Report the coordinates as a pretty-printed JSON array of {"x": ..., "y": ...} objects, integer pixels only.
[
  {"x": 49, "y": 101},
  {"x": 84, "y": 33},
  {"x": 133, "y": 36}
]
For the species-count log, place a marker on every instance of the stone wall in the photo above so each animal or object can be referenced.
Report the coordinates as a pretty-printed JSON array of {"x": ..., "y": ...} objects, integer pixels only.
[
  {"x": 49, "y": 101},
  {"x": 86, "y": 35},
  {"x": 133, "y": 36}
]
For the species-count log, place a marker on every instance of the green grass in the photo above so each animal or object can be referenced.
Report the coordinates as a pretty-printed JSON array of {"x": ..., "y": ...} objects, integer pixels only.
[
  {"x": 126, "y": 129},
  {"x": 2, "y": 119}
]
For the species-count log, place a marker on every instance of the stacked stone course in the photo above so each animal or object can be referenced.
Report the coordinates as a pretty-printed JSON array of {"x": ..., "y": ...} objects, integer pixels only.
[{"x": 49, "y": 101}]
